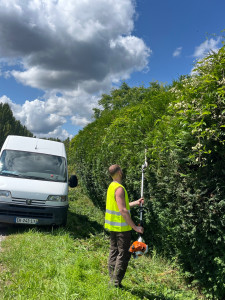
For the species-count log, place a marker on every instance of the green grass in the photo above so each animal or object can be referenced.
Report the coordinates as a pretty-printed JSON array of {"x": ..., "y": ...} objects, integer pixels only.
[{"x": 71, "y": 263}]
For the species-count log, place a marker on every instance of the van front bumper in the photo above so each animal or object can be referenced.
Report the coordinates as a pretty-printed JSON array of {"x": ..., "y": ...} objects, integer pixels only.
[{"x": 12, "y": 214}]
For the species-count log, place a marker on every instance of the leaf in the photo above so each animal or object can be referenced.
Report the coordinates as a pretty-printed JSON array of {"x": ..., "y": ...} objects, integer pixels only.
[{"x": 206, "y": 112}]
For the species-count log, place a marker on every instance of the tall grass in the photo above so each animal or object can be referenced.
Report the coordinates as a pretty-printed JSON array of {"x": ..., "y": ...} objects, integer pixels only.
[{"x": 71, "y": 263}]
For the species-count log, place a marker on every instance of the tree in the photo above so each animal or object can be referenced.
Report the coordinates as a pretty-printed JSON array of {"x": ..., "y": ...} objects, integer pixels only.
[{"x": 9, "y": 125}]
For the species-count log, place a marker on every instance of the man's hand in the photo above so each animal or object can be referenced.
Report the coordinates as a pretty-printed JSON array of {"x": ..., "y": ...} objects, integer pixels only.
[
  {"x": 137, "y": 202},
  {"x": 139, "y": 229},
  {"x": 140, "y": 201}
]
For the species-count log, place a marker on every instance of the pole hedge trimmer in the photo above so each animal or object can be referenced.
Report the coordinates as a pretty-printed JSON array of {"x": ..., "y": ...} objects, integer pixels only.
[{"x": 138, "y": 248}]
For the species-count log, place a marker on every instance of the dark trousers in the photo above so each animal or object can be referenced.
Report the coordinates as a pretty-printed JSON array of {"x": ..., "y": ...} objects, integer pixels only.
[{"x": 119, "y": 255}]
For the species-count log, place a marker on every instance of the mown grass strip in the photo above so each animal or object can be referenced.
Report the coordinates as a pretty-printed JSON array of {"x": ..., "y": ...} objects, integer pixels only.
[{"x": 71, "y": 263}]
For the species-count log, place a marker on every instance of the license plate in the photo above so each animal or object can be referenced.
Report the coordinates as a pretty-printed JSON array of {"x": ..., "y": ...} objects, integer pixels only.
[{"x": 26, "y": 221}]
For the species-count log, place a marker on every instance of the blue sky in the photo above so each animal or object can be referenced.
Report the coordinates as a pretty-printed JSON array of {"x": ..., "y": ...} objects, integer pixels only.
[
  {"x": 58, "y": 57},
  {"x": 171, "y": 24}
]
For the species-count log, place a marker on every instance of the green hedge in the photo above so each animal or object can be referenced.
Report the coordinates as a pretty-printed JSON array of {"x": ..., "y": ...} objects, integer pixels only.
[
  {"x": 188, "y": 170},
  {"x": 118, "y": 135},
  {"x": 183, "y": 126}
]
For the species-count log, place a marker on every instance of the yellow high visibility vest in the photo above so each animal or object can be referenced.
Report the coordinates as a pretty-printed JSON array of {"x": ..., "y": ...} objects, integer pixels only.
[{"x": 113, "y": 218}]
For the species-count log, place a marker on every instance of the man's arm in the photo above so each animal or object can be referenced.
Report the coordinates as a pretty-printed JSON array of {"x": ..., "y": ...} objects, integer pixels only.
[
  {"x": 137, "y": 202},
  {"x": 120, "y": 200}
]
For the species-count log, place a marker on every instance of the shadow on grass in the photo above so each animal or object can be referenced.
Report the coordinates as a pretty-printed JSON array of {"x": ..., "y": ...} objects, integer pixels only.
[
  {"x": 78, "y": 226},
  {"x": 143, "y": 294}
]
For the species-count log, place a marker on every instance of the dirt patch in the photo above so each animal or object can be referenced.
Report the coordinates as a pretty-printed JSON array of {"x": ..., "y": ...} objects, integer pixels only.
[{"x": 3, "y": 233}]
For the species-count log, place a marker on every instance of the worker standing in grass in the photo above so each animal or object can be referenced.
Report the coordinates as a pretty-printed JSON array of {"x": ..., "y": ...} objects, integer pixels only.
[{"x": 118, "y": 221}]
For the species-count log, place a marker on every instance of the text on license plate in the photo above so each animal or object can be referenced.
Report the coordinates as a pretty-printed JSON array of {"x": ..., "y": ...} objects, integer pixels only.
[{"x": 26, "y": 221}]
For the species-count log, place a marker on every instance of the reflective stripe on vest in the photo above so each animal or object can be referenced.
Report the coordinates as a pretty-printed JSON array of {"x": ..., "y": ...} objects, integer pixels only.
[
  {"x": 115, "y": 223},
  {"x": 113, "y": 218},
  {"x": 114, "y": 212}
]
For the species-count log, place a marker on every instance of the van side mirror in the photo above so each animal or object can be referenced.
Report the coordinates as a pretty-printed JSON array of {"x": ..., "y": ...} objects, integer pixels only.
[{"x": 73, "y": 181}]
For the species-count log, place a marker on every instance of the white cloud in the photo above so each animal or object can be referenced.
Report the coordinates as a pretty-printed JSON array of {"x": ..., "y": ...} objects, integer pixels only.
[
  {"x": 203, "y": 49},
  {"x": 81, "y": 121},
  {"x": 206, "y": 47},
  {"x": 5, "y": 99},
  {"x": 75, "y": 48},
  {"x": 177, "y": 52},
  {"x": 63, "y": 43},
  {"x": 35, "y": 117},
  {"x": 15, "y": 107},
  {"x": 58, "y": 132}
]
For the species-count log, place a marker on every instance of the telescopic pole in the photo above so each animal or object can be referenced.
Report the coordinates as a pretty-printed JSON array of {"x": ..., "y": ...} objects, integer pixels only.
[
  {"x": 144, "y": 166},
  {"x": 138, "y": 247}
]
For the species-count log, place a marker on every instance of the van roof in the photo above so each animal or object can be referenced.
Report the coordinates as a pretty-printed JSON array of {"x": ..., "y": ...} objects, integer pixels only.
[{"x": 22, "y": 143}]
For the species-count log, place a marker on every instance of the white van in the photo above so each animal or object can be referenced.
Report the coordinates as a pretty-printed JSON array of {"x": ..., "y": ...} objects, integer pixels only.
[{"x": 33, "y": 181}]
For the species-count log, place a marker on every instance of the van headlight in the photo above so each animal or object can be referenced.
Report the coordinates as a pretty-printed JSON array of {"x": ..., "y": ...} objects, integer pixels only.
[
  {"x": 5, "y": 194},
  {"x": 57, "y": 198}
]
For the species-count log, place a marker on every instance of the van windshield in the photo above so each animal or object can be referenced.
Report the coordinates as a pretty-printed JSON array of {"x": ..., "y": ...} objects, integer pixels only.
[{"x": 32, "y": 165}]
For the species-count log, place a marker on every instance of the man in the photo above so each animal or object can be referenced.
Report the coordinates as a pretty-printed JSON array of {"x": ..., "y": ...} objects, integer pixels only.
[{"x": 118, "y": 221}]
